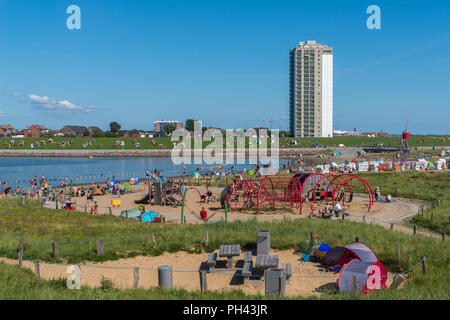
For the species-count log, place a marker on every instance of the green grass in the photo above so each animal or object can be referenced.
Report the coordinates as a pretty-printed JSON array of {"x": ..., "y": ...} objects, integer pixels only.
[
  {"x": 146, "y": 143},
  {"x": 31, "y": 222}
]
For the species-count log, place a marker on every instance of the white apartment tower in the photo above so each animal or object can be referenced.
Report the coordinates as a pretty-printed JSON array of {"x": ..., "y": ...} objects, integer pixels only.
[{"x": 311, "y": 90}]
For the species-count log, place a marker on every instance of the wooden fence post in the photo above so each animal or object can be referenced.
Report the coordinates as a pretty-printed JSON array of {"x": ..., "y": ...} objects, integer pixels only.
[
  {"x": 396, "y": 282},
  {"x": 424, "y": 265},
  {"x": 203, "y": 285},
  {"x": 185, "y": 220},
  {"x": 136, "y": 278},
  {"x": 354, "y": 285},
  {"x": 37, "y": 272},
  {"x": 364, "y": 219},
  {"x": 54, "y": 249},
  {"x": 110, "y": 210},
  {"x": 154, "y": 241},
  {"x": 20, "y": 252},
  {"x": 392, "y": 226},
  {"x": 99, "y": 247},
  {"x": 85, "y": 208},
  {"x": 205, "y": 243}
]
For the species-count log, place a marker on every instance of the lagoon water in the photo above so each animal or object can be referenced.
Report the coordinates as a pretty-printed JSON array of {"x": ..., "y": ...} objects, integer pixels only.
[{"x": 19, "y": 171}]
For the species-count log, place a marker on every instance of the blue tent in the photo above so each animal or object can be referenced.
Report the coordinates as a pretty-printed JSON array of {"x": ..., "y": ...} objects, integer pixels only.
[
  {"x": 148, "y": 216},
  {"x": 112, "y": 183}
]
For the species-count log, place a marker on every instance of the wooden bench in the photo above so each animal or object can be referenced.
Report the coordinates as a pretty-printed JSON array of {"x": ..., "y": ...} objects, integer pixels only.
[
  {"x": 248, "y": 256},
  {"x": 212, "y": 259},
  {"x": 288, "y": 270},
  {"x": 247, "y": 270}
]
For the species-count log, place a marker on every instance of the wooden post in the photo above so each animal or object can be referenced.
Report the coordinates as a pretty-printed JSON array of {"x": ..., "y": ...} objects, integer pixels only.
[
  {"x": 110, "y": 210},
  {"x": 37, "y": 272},
  {"x": 414, "y": 230},
  {"x": 398, "y": 252},
  {"x": 205, "y": 243},
  {"x": 396, "y": 282},
  {"x": 392, "y": 226},
  {"x": 20, "y": 252},
  {"x": 54, "y": 249},
  {"x": 364, "y": 219},
  {"x": 432, "y": 216},
  {"x": 154, "y": 241},
  {"x": 424, "y": 265},
  {"x": 136, "y": 278},
  {"x": 99, "y": 247},
  {"x": 354, "y": 285},
  {"x": 311, "y": 238},
  {"x": 203, "y": 285},
  {"x": 85, "y": 208},
  {"x": 184, "y": 220},
  {"x": 343, "y": 217}
]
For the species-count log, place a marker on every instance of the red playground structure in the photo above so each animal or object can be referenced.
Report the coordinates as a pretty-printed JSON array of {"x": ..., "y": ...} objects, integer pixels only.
[{"x": 301, "y": 188}]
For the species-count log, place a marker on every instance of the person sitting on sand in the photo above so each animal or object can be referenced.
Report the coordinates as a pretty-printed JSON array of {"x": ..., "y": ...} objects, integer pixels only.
[
  {"x": 337, "y": 209},
  {"x": 389, "y": 198},
  {"x": 377, "y": 193}
]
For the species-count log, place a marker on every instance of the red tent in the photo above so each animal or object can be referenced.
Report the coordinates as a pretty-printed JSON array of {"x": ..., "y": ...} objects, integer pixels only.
[
  {"x": 370, "y": 276},
  {"x": 343, "y": 255}
]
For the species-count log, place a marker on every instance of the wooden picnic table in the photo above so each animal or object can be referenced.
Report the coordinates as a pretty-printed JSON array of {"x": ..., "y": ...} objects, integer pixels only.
[
  {"x": 266, "y": 261},
  {"x": 230, "y": 251}
]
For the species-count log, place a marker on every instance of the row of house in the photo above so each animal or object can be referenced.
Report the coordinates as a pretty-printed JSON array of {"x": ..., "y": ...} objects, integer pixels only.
[{"x": 36, "y": 131}]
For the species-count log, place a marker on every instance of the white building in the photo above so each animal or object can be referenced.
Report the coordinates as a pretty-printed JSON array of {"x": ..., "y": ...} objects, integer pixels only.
[{"x": 311, "y": 90}]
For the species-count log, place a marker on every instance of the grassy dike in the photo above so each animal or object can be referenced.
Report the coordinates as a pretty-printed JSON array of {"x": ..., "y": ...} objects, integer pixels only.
[{"x": 39, "y": 227}]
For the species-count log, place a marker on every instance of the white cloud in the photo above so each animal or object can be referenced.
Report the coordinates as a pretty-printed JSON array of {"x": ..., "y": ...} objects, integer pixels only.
[{"x": 47, "y": 103}]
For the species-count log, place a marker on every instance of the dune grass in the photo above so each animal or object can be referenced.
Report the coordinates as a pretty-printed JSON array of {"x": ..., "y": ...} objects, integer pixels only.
[{"x": 30, "y": 222}]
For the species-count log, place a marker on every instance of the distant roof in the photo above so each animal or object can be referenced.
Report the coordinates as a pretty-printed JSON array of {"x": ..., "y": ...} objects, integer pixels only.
[
  {"x": 6, "y": 126},
  {"x": 95, "y": 129},
  {"x": 77, "y": 129}
]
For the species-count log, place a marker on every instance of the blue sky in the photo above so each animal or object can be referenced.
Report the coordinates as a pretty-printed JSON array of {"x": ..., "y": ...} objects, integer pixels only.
[{"x": 225, "y": 62}]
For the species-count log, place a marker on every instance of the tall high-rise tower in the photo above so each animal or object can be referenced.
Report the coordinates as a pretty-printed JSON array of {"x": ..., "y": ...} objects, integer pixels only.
[{"x": 311, "y": 90}]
